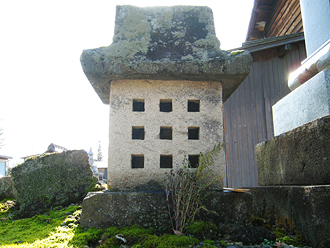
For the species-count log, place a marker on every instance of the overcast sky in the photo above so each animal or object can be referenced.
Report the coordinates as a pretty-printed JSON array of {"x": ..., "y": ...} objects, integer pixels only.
[{"x": 45, "y": 96}]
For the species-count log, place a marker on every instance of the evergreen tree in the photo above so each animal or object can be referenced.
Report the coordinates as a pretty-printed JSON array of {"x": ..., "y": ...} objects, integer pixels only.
[{"x": 99, "y": 152}]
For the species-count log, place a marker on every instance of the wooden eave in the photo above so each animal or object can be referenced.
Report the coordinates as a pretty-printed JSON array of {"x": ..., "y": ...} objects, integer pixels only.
[
  {"x": 266, "y": 43},
  {"x": 260, "y": 15},
  {"x": 270, "y": 18}
]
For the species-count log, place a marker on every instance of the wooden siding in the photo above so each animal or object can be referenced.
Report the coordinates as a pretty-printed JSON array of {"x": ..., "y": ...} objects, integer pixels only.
[
  {"x": 272, "y": 18},
  {"x": 286, "y": 19},
  {"x": 248, "y": 112}
]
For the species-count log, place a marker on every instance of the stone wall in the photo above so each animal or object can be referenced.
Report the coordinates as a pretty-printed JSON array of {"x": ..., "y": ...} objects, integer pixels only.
[
  {"x": 298, "y": 157},
  {"x": 149, "y": 209},
  {"x": 55, "y": 179},
  {"x": 298, "y": 209}
]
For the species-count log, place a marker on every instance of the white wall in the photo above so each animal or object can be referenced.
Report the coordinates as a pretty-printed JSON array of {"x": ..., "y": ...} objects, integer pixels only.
[{"x": 2, "y": 168}]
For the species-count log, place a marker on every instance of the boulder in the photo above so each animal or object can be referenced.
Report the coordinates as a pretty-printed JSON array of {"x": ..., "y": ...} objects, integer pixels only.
[
  {"x": 55, "y": 179},
  {"x": 7, "y": 189}
]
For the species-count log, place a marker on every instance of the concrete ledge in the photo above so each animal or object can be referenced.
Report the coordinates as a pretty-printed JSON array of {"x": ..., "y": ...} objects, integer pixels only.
[
  {"x": 300, "y": 209},
  {"x": 306, "y": 103},
  {"x": 298, "y": 157},
  {"x": 148, "y": 209},
  {"x": 303, "y": 209}
]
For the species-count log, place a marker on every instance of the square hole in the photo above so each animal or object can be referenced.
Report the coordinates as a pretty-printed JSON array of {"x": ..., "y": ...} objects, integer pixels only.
[
  {"x": 193, "y": 161},
  {"x": 165, "y": 133},
  {"x": 166, "y": 161},
  {"x": 165, "y": 105},
  {"x": 138, "y": 105},
  {"x": 193, "y": 133},
  {"x": 138, "y": 133},
  {"x": 137, "y": 161},
  {"x": 193, "y": 105}
]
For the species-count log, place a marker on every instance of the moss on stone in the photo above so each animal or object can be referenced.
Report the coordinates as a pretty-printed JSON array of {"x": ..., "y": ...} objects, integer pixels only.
[
  {"x": 52, "y": 180},
  {"x": 202, "y": 230}
]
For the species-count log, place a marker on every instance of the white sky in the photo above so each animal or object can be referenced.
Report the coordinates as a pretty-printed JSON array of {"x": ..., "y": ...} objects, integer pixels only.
[{"x": 44, "y": 95}]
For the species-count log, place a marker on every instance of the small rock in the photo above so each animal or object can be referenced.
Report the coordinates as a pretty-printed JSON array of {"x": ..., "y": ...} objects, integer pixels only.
[{"x": 64, "y": 223}]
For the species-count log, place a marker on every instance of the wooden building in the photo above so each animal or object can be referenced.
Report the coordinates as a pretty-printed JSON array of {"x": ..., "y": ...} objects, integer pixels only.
[{"x": 276, "y": 41}]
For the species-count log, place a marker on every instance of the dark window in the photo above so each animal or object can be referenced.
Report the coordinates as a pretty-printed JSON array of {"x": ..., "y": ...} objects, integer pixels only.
[
  {"x": 165, "y": 105},
  {"x": 138, "y": 105},
  {"x": 193, "y": 161},
  {"x": 138, "y": 133},
  {"x": 165, "y": 133},
  {"x": 193, "y": 133},
  {"x": 137, "y": 161},
  {"x": 166, "y": 161},
  {"x": 193, "y": 105}
]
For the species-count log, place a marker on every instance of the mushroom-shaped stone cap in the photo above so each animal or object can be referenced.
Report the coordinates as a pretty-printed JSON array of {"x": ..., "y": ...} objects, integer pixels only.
[{"x": 164, "y": 43}]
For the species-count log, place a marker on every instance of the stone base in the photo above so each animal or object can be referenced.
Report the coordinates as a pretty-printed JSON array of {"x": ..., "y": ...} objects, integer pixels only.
[
  {"x": 298, "y": 157},
  {"x": 148, "y": 209},
  {"x": 303, "y": 209},
  {"x": 306, "y": 103},
  {"x": 300, "y": 209}
]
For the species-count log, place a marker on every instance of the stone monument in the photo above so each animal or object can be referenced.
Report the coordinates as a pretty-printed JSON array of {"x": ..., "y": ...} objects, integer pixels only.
[{"x": 165, "y": 80}]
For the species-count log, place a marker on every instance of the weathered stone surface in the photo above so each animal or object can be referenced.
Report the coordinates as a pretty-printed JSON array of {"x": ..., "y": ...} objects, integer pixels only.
[
  {"x": 7, "y": 189},
  {"x": 52, "y": 180},
  {"x": 298, "y": 157},
  {"x": 232, "y": 210},
  {"x": 164, "y": 43},
  {"x": 301, "y": 209},
  {"x": 122, "y": 146},
  {"x": 148, "y": 209},
  {"x": 104, "y": 209},
  {"x": 252, "y": 235}
]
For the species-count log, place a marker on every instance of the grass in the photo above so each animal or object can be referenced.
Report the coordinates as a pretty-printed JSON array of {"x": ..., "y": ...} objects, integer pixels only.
[
  {"x": 56, "y": 228},
  {"x": 39, "y": 231}
]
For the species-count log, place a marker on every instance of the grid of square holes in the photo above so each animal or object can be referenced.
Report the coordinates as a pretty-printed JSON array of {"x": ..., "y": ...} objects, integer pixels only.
[{"x": 138, "y": 132}]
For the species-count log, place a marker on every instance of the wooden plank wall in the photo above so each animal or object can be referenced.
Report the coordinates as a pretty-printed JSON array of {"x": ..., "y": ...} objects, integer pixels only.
[
  {"x": 285, "y": 20},
  {"x": 248, "y": 113}
]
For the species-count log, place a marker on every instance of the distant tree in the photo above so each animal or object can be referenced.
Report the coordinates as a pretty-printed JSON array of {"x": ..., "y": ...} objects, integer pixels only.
[{"x": 99, "y": 152}]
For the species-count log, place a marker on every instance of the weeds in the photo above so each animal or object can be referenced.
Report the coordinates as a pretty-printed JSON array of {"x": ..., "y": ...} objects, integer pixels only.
[{"x": 185, "y": 189}]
